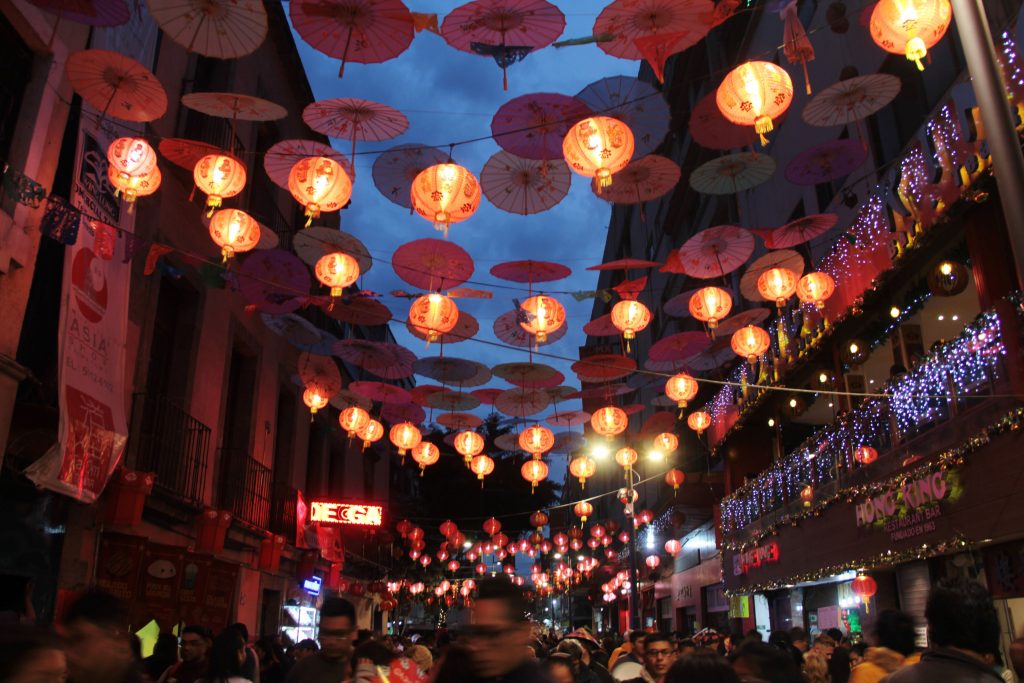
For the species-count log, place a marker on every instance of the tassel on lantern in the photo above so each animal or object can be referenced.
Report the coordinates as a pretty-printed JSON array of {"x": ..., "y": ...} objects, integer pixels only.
[
  {"x": 916, "y": 51},
  {"x": 761, "y": 126}
]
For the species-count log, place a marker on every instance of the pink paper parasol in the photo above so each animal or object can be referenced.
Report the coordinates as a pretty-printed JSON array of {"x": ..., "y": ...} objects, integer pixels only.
[
  {"x": 530, "y": 271},
  {"x": 432, "y": 264},
  {"x": 568, "y": 418},
  {"x": 781, "y": 258},
  {"x": 635, "y": 103},
  {"x": 394, "y": 413},
  {"x": 798, "y": 231},
  {"x": 482, "y": 376},
  {"x": 529, "y": 375},
  {"x": 851, "y": 100},
  {"x": 311, "y": 244},
  {"x": 828, "y": 161},
  {"x": 349, "y": 118},
  {"x": 319, "y": 370},
  {"x": 221, "y": 29},
  {"x": 379, "y": 391},
  {"x": 522, "y": 402},
  {"x": 446, "y": 369},
  {"x": 508, "y": 330},
  {"x": 568, "y": 442},
  {"x": 362, "y": 31},
  {"x": 118, "y": 86},
  {"x": 345, "y": 398},
  {"x": 487, "y": 396},
  {"x": 662, "y": 421},
  {"x": 712, "y": 130},
  {"x": 716, "y": 251},
  {"x": 625, "y": 264},
  {"x": 606, "y": 367},
  {"x": 185, "y": 153},
  {"x": 90, "y": 12},
  {"x": 524, "y": 186},
  {"x": 421, "y": 393},
  {"x": 720, "y": 353},
  {"x": 642, "y": 180},
  {"x": 449, "y": 400},
  {"x": 681, "y": 23},
  {"x": 606, "y": 392},
  {"x": 670, "y": 366},
  {"x": 465, "y": 328},
  {"x": 751, "y": 316},
  {"x": 602, "y": 327},
  {"x": 732, "y": 173},
  {"x": 395, "y": 169},
  {"x": 533, "y": 126},
  {"x": 459, "y": 420},
  {"x": 234, "y": 106},
  {"x": 275, "y": 281},
  {"x": 282, "y": 156},
  {"x": 360, "y": 311},
  {"x": 386, "y": 360},
  {"x": 561, "y": 393},
  {"x": 679, "y": 347}
]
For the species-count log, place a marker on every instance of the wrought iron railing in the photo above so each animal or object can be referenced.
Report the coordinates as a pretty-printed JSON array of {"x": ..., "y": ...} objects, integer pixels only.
[
  {"x": 282, "y": 511},
  {"x": 169, "y": 442},
  {"x": 245, "y": 487}
]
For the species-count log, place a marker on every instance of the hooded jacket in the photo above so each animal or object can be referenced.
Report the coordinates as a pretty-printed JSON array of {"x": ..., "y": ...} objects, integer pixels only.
[
  {"x": 879, "y": 662},
  {"x": 945, "y": 665}
]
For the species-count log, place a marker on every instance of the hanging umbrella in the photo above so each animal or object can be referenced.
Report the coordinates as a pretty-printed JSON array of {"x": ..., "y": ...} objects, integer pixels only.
[
  {"x": 408, "y": 412},
  {"x": 313, "y": 243},
  {"x": 421, "y": 393},
  {"x": 506, "y": 30},
  {"x": 606, "y": 392},
  {"x": 798, "y": 231},
  {"x": 851, "y": 100},
  {"x": 320, "y": 370},
  {"x": 625, "y": 264},
  {"x": 507, "y": 443},
  {"x": 602, "y": 326},
  {"x": 751, "y": 316},
  {"x": 275, "y": 281},
  {"x": 732, "y": 173},
  {"x": 487, "y": 396},
  {"x": 465, "y": 328},
  {"x": 530, "y": 271},
  {"x": 642, "y": 180},
  {"x": 528, "y": 375},
  {"x": 825, "y": 162},
  {"x": 560, "y": 393},
  {"x": 432, "y": 264},
  {"x": 679, "y": 346},
  {"x": 605, "y": 367},
  {"x": 185, "y": 153},
  {"x": 222, "y": 29},
  {"x": 664, "y": 26},
  {"x": 712, "y": 130},
  {"x": 524, "y": 186},
  {"x": 452, "y": 400},
  {"x": 380, "y": 391},
  {"x": 446, "y": 369},
  {"x": 635, "y": 103},
  {"x": 234, "y": 106},
  {"x": 716, "y": 251},
  {"x": 720, "y": 353},
  {"x": 782, "y": 258},
  {"x": 568, "y": 442},
  {"x": 282, "y": 156},
  {"x": 533, "y": 126},
  {"x": 508, "y": 330},
  {"x": 361, "y": 31},
  {"x": 322, "y": 346},
  {"x": 360, "y": 310},
  {"x": 295, "y": 329},
  {"x": 386, "y": 360},
  {"x": 568, "y": 418},
  {"x": 659, "y": 422},
  {"x": 116, "y": 85},
  {"x": 395, "y": 169},
  {"x": 345, "y": 398},
  {"x": 459, "y": 421},
  {"x": 483, "y": 376},
  {"x": 522, "y": 402},
  {"x": 90, "y": 13},
  {"x": 349, "y": 118}
]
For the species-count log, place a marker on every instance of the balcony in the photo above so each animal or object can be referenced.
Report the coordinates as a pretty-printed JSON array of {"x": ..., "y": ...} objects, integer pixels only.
[
  {"x": 282, "y": 511},
  {"x": 172, "y": 444},
  {"x": 245, "y": 487},
  {"x": 953, "y": 392}
]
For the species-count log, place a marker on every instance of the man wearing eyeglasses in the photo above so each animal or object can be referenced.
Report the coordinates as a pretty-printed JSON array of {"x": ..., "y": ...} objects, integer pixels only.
[
  {"x": 498, "y": 636},
  {"x": 659, "y": 655},
  {"x": 194, "y": 643},
  {"x": 331, "y": 663}
]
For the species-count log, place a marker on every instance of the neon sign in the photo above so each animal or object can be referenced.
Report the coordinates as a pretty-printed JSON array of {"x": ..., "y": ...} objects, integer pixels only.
[
  {"x": 332, "y": 512},
  {"x": 755, "y": 557}
]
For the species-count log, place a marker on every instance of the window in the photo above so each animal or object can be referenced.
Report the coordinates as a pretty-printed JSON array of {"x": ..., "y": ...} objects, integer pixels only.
[
  {"x": 174, "y": 333},
  {"x": 17, "y": 61}
]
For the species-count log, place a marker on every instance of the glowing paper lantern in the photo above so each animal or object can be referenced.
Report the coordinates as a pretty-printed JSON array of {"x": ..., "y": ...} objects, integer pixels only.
[
  {"x": 598, "y": 147},
  {"x": 405, "y": 436},
  {"x": 666, "y": 442},
  {"x": 750, "y": 342},
  {"x": 864, "y": 587},
  {"x": 910, "y": 27},
  {"x": 698, "y": 421},
  {"x": 336, "y": 270},
  {"x": 353, "y": 419},
  {"x": 445, "y": 194},
  {"x": 681, "y": 388},
  {"x": 492, "y": 526},
  {"x": 315, "y": 397},
  {"x": 131, "y": 157},
  {"x": 539, "y": 519},
  {"x": 543, "y": 316},
  {"x": 807, "y": 495},
  {"x": 815, "y": 288},
  {"x": 481, "y": 466},
  {"x": 453, "y": 565},
  {"x": 777, "y": 284},
  {"x": 609, "y": 421},
  {"x": 469, "y": 444},
  {"x": 865, "y": 455},
  {"x": 753, "y": 94},
  {"x": 432, "y": 315},
  {"x": 582, "y": 468},
  {"x": 131, "y": 188},
  {"x": 652, "y": 561},
  {"x": 675, "y": 478},
  {"x": 629, "y": 317},
  {"x": 536, "y": 440},
  {"x": 219, "y": 176},
  {"x": 448, "y": 528},
  {"x": 234, "y": 231},
  {"x": 626, "y": 457},
  {"x": 426, "y": 454},
  {"x": 319, "y": 184},
  {"x": 534, "y": 471},
  {"x": 710, "y": 305},
  {"x": 583, "y": 509},
  {"x": 371, "y": 433},
  {"x": 672, "y": 547}
]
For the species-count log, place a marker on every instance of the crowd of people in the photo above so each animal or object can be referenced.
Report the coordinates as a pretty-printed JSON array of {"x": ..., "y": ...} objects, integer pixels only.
[{"x": 498, "y": 643}]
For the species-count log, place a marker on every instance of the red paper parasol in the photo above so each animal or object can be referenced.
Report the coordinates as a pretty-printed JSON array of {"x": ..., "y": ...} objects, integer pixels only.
[
  {"x": 681, "y": 23},
  {"x": 89, "y": 12},
  {"x": 662, "y": 421},
  {"x": 508, "y": 330},
  {"x": 421, "y": 393},
  {"x": 222, "y": 29},
  {"x": 185, "y": 153},
  {"x": 751, "y": 316},
  {"x": 446, "y": 369},
  {"x": 234, "y": 106},
  {"x": 459, "y": 420},
  {"x": 522, "y": 402},
  {"x": 452, "y": 400},
  {"x": 320, "y": 370},
  {"x": 716, "y": 251},
  {"x": 465, "y": 328},
  {"x": 395, "y": 413},
  {"x": 625, "y": 264},
  {"x": 561, "y": 393},
  {"x": 851, "y": 100},
  {"x": 781, "y": 258},
  {"x": 568, "y": 442},
  {"x": 345, "y": 398},
  {"x": 602, "y": 327},
  {"x": 670, "y": 366},
  {"x": 533, "y": 126},
  {"x": 379, "y": 391},
  {"x": 720, "y": 353},
  {"x": 732, "y": 173},
  {"x": 712, "y": 130},
  {"x": 524, "y": 186},
  {"x": 395, "y": 169},
  {"x": 432, "y": 264},
  {"x": 798, "y": 231},
  {"x": 529, "y": 375},
  {"x": 295, "y": 329},
  {"x": 268, "y": 238},
  {"x": 828, "y": 161},
  {"x": 569, "y": 418},
  {"x": 313, "y": 243},
  {"x": 642, "y": 180},
  {"x": 606, "y": 367},
  {"x": 349, "y": 118},
  {"x": 606, "y": 392},
  {"x": 274, "y": 280},
  {"x": 679, "y": 347},
  {"x": 386, "y": 360},
  {"x": 635, "y": 103},
  {"x": 282, "y": 156},
  {"x": 487, "y": 396},
  {"x": 530, "y": 271},
  {"x": 361, "y": 31},
  {"x": 117, "y": 86},
  {"x": 360, "y": 310}
]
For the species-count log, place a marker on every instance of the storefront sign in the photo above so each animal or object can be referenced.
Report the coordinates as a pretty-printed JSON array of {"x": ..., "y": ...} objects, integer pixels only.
[
  {"x": 331, "y": 512},
  {"x": 905, "y": 500},
  {"x": 754, "y": 557},
  {"x": 312, "y": 585}
]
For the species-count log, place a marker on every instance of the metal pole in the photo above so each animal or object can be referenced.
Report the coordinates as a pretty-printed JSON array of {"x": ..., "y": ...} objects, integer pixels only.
[
  {"x": 1003, "y": 142},
  {"x": 634, "y": 588}
]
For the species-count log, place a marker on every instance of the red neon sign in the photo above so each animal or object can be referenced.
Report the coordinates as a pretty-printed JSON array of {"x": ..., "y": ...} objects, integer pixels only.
[{"x": 331, "y": 512}]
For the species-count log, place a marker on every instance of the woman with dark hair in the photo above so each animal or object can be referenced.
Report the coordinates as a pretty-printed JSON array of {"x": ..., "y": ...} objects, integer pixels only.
[
  {"x": 165, "y": 655},
  {"x": 704, "y": 666},
  {"x": 225, "y": 659},
  {"x": 839, "y": 665}
]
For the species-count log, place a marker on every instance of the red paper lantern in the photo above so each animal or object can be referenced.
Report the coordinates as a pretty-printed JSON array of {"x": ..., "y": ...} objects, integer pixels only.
[
  {"x": 405, "y": 436},
  {"x": 710, "y": 305},
  {"x": 131, "y": 157},
  {"x": 445, "y": 194},
  {"x": 353, "y": 419},
  {"x": 469, "y": 444},
  {"x": 315, "y": 396},
  {"x": 777, "y": 284},
  {"x": 133, "y": 187},
  {"x": 910, "y": 27},
  {"x": 219, "y": 176},
  {"x": 433, "y": 315},
  {"x": 807, "y": 495},
  {"x": 652, "y": 561},
  {"x": 536, "y": 440},
  {"x": 582, "y": 468},
  {"x": 481, "y": 466},
  {"x": 492, "y": 526},
  {"x": 336, "y": 270},
  {"x": 609, "y": 421},
  {"x": 534, "y": 471},
  {"x": 681, "y": 388},
  {"x": 815, "y": 288},
  {"x": 755, "y": 93},
  {"x": 543, "y": 315},
  {"x": 453, "y": 565},
  {"x": 630, "y": 317},
  {"x": 672, "y": 547},
  {"x": 426, "y": 454},
  {"x": 371, "y": 433},
  {"x": 750, "y": 342},
  {"x": 319, "y": 184},
  {"x": 698, "y": 421},
  {"x": 481, "y": 568},
  {"x": 864, "y": 587},
  {"x": 626, "y": 457},
  {"x": 583, "y": 509},
  {"x": 234, "y": 231},
  {"x": 675, "y": 478},
  {"x": 666, "y": 442},
  {"x": 539, "y": 519},
  {"x": 865, "y": 455},
  {"x": 598, "y": 147}
]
